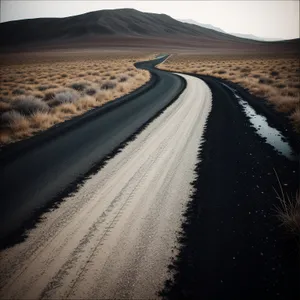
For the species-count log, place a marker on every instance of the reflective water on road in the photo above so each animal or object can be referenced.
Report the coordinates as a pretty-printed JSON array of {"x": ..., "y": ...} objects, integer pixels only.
[{"x": 271, "y": 135}]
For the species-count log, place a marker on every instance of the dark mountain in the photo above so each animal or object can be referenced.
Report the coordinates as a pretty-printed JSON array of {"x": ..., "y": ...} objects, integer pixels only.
[
  {"x": 119, "y": 22},
  {"x": 117, "y": 28}
]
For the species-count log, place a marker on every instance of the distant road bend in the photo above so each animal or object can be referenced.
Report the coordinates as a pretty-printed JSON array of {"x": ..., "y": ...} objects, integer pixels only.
[{"x": 114, "y": 237}]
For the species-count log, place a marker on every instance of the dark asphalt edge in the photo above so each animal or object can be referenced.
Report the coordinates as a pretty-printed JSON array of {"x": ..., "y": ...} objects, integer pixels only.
[
  {"x": 20, "y": 235},
  {"x": 173, "y": 288}
]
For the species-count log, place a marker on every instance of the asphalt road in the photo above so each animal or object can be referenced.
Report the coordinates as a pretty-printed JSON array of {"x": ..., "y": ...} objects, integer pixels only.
[
  {"x": 114, "y": 238},
  {"x": 35, "y": 173}
]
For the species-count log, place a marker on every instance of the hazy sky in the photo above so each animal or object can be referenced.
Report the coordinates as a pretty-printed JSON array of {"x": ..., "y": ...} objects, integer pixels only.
[{"x": 274, "y": 19}]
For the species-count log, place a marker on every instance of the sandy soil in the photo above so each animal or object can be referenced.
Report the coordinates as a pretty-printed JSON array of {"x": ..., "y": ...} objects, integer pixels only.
[{"x": 114, "y": 238}]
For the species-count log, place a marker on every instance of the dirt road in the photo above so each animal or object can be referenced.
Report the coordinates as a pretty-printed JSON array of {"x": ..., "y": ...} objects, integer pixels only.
[{"x": 115, "y": 237}]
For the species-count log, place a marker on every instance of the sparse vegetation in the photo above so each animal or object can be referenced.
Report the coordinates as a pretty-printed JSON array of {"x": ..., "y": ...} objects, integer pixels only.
[
  {"x": 277, "y": 79},
  {"x": 62, "y": 97},
  {"x": 28, "y": 105},
  {"x": 288, "y": 212},
  {"x": 108, "y": 85},
  {"x": 40, "y": 91}
]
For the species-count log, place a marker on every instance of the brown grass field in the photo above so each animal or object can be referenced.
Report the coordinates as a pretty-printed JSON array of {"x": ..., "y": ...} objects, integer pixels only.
[
  {"x": 39, "y": 90},
  {"x": 274, "y": 78}
]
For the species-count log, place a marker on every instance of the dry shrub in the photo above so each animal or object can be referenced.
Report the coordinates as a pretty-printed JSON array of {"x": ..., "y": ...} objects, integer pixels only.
[
  {"x": 262, "y": 90},
  {"x": 123, "y": 78},
  {"x": 42, "y": 88},
  {"x": 295, "y": 117},
  {"x": 49, "y": 95},
  {"x": 103, "y": 95},
  {"x": 124, "y": 88},
  {"x": 37, "y": 94},
  {"x": 91, "y": 91},
  {"x": 274, "y": 73},
  {"x": 85, "y": 103},
  {"x": 245, "y": 70},
  {"x": 280, "y": 85},
  {"x": 41, "y": 120},
  {"x": 285, "y": 104},
  {"x": 256, "y": 75},
  {"x": 108, "y": 85},
  {"x": 289, "y": 211},
  {"x": 64, "y": 97},
  {"x": 28, "y": 105},
  {"x": 14, "y": 120},
  {"x": 292, "y": 92},
  {"x": 140, "y": 77},
  {"x": 18, "y": 92},
  {"x": 67, "y": 108},
  {"x": 79, "y": 86},
  {"x": 264, "y": 80}
]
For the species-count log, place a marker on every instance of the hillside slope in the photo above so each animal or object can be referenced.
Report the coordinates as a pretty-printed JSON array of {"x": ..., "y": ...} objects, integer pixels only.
[
  {"x": 124, "y": 28},
  {"x": 209, "y": 26},
  {"x": 105, "y": 23}
]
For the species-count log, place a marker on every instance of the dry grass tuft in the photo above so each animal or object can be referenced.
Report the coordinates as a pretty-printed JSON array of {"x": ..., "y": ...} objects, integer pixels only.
[
  {"x": 289, "y": 211},
  {"x": 295, "y": 117},
  {"x": 79, "y": 86},
  {"x": 85, "y": 103},
  {"x": 42, "y": 120},
  {"x": 108, "y": 85},
  {"x": 14, "y": 120},
  {"x": 66, "y": 109},
  {"x": 64, "y": 97},
  {"x": 123, "y": 78}
]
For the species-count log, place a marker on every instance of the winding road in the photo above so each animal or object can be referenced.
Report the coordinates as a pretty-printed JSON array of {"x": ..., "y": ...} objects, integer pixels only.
[
  {"x": 46, "y": 166},
  {"x": 139, "y": 174},
  {"x": 114, "y": 238}
]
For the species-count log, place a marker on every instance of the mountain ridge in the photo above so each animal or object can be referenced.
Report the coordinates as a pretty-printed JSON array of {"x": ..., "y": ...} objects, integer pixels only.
[
  {"x": 240, "y": 35},
  {"x": 209, "y": 26},
  {"x": 118, "y": 28},
  {"x": 122, "y": 22}
]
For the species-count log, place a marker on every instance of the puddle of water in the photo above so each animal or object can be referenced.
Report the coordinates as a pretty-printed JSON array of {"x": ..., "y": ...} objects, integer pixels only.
[{"x": 260, "y": 123}]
